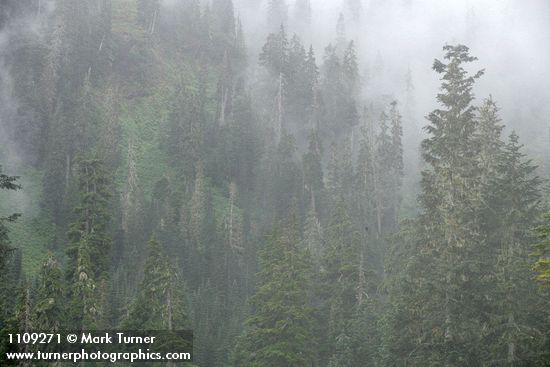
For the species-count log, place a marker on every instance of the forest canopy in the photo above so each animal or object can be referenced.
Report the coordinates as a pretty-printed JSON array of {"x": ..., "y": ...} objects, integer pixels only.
[{"x": 300, "y": 183}]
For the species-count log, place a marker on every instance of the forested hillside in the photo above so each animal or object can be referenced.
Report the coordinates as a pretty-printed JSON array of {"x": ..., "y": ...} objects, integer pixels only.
[{"x": 237, "y": 170}]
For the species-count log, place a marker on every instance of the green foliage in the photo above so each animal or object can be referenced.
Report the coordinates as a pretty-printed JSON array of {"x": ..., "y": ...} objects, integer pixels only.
[
  {"x": 7, "y": 183},
  {"x": 341, "y": 274},
  {"x": 160, "y": 301},
  {"x": 542, "y": 266},
  {"x": 155, "y": 95},
  {"x": 279, "y": 333},
  {"x": 89, "y": 248},
  {"x": 49, "y": 305}
]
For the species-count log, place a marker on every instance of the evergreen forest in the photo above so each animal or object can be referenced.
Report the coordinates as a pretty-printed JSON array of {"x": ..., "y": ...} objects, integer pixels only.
[{"x": 301, "y": 183}]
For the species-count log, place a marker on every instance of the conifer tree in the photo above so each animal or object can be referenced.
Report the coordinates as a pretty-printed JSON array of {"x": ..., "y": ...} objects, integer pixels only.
[
  {"x": 185, "y": 136},
  {"x": 365, "y": 172},
  {"x": 6, "y": 183},
  {"x": 340, "y": 173},
  {"x": 515, "y": 201},
  {"x": 311, "y": 72},
  {"x": 240, "y": 47},
  {"x": 49, "y": 308},
  {"x": 396, "y": 163},
  {"x": 313, "y": 236},
  {"x": 283, "y": 178},
  {"x": 340, "y": 278},
  {"x": 279, "y": 333},
  {"x": 160, "y": 301},
  {"x": 274, "y": 55},
  {"x": 90, "y": 244},
  {"x": 488, "y": 139},
  {"x": 449, "y": 238},
  {"x": 341, "y": 113},
  {"x": 313, "y": 170},
  {"x": 383, "y": 175},
  {"x": 223, "y": 19},
  {"x": 14, "y": 301},
  {"x": 341, "y": 35},
  {"x": 21, "y": 321},
  {"x": 542, "y": 265},
  {"x": 350, "y": 69},
  {"x": 242, "y": 142}
]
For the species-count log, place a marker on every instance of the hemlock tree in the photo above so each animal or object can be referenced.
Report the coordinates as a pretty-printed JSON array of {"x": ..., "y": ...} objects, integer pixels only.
[
  {"x": 20, "y": 322},
  {"x": 49, "y": 308},
  {"x": 89, "y": 248},
  {"x": 160, "y": 302},
  {"x": 312, "y": 169},
  {"x": 279, "y": 333},
  {"x": 518, "y": 319},
  {"x": 396, "y": 164},
  {"x": 340, "y": 274},
  {"x": 365, "y": 174},
  {"x": 340, "y": 173},
  {"x": 450, "y": 245},
  {"x": 449, "y": 201}
]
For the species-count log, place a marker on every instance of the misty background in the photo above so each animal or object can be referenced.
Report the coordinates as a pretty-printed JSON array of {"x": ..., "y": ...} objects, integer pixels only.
[{"x": 195, "y": 164}]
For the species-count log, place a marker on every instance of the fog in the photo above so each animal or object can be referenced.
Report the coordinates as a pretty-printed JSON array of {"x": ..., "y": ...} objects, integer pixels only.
[
  {"x": 510, "y": 38},
  {"x": 190, "y": 165}
]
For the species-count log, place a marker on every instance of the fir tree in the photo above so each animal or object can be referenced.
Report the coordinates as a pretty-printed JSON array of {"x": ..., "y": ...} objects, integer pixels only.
[
  {"x": 384, "y": 175},
  {"x": 274, "y": 55},
  {"x": 90, "y": 244},
  {"x": 396, "y": 164},
  {"x": 159, "y": 303},
  {"x": 49, "y": 308},
  {"x": 313, "y": 237},
  {"x": 311, "y": 72},
  {"x": 340, "y": 173},
  {"x": 452, "y": 250},
  {"x": 340, "y": 278},
  {"x": 279, "y": 333},
  {"x": 21, "y": 321},
  {"x": 313, "y": 170},
  {"x": 365, "y": 172},
  {"x": 341, "y": 34},
  {"x": 350, "y": 69},
  {"x": 515, "y": 201},
  {"x": 488, "y": 139}
]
